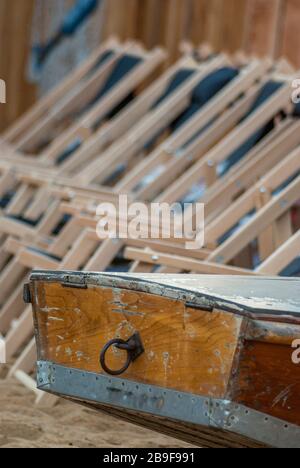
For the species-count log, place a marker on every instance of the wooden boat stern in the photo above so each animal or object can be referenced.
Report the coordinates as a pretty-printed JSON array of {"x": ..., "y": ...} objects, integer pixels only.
[{"x": 207, "y": 359}]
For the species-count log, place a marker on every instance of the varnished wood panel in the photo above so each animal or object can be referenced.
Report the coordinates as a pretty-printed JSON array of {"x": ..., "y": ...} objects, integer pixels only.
[
  {"x": 268, "y": 381},
  {"x": 185, "y": 349},
  {"x": 261, "y": 23},
  {"x": 291, "y": 32}
]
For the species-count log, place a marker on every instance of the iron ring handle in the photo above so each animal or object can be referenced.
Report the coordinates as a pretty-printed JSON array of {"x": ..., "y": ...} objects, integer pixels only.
[
  {"x": 133, "y": 346},
  {"x": 121, "y": 344}
]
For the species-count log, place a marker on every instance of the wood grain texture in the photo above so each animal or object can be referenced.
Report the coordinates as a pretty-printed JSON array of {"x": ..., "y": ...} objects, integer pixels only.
[
  {"x": 263, "y": 26},
  {"x": 185, "y": 349},
  {"x": 290, "y": 32},
  {"x": 268, "y": 381},
  {"x": 217, "y": 354}
]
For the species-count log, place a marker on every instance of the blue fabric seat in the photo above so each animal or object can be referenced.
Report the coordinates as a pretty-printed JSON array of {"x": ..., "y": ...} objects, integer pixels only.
[
  {"x": 122, "y": 67},
  {"x": 177, "y": 80},
  {"x": 202, "y": 93},
  {"x": 45, "y": 254},
  {"x": 293, "y": 269},
  {"x": 266, "y": 92},
  {"x": 205, "y": 90},
  {"x": 21, "y": 219}
]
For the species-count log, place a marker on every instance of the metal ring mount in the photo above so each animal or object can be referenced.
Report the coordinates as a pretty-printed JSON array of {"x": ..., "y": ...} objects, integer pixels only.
[{"x": 133, "y": 346}]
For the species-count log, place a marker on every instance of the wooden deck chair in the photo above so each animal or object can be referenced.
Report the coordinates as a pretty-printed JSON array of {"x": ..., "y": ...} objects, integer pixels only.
[
  {"x": 271, "y": 212},
  {"x": 53, "y": 231},
  {"x": 119, "y": 86},
  {"x": 153, "y": 96},
  {"x": 18, "y": 129},
  {"x": 271, "y": 100},
  {"x": 285, "y": 260},
  {"x": 216, "y": 106},
  {"x": 282, "y": 139},
  {"x": 196, "y": 148},
  {"x": 111, "y": 249},
  {"x": 273, "y": 234},
  {"x": 126, "y": 73},
  {"x": 157, "y": 96},
  {"x": 249, "y": 75},
  {"x": 163, "y": 114},
  {"x": 112, "y": 93},
  {"x": 138, "y": 178},
  {"x": 165, "y": 107},
  {"x": 112, "y": 68},
  {"x": 203, "y": 98},
  {"x": 162, "y": 110}
]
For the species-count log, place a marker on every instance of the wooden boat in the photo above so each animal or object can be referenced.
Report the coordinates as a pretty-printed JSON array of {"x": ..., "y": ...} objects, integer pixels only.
[{"x": 211, "y": 360}]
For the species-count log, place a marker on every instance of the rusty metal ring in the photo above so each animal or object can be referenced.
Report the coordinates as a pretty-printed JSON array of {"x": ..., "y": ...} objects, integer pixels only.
[
  {"x": 123, "y": 345},
  {"x": 133, "y": 346}
]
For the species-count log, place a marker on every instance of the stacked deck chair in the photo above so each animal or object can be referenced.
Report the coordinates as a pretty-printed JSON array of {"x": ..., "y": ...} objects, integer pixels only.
[
  {"x": 84, "y": 101},
  {"x": 114, "y": 162},
  {"x": 262, "y": 137},
  {"x": 206, "y": 126},
  {"x": 136, "y": 140},
  {"x": 86, "y": 104},
  {"x": 159, "y": 104}
]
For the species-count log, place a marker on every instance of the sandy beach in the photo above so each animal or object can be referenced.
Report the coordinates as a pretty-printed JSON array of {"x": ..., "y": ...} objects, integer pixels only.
[{"x": 23, "y": 425}]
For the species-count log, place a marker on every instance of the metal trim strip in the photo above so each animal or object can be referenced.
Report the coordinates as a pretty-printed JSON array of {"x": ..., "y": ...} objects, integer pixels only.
[{"x": 162, "y": 402}]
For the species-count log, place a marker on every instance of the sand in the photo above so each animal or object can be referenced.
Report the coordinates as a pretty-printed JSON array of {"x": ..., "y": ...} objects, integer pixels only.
[{"x": 67, "y": 425}]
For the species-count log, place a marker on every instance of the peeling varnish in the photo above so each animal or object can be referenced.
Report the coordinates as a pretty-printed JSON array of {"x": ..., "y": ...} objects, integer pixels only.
[
  {"x": 128, "y": 312},
  {"x": 151, "y": 355},
  {"x": 50, "y": 310},
  {"x": 121, "y": 307},
  {"x": 166, "y": 363},
  {"x": 68, "y": 352}
]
